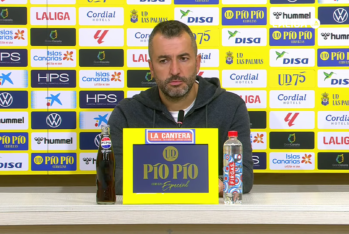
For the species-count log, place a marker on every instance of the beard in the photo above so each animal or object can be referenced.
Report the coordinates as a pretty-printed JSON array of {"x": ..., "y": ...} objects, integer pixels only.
[{"x": 173, "y": 92}]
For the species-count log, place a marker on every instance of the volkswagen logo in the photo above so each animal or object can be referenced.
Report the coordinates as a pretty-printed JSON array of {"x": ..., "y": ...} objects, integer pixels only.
[
  {"x": 97, "y": 140},
  {"x": 6, "y": 99},
  {"x": 340, "y": 15},
  {"x": 54, "y": 120}
]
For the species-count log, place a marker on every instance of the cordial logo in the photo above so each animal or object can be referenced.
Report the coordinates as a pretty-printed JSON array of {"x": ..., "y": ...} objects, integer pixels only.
[
  {"x": 198, "y": 16},
  {"x": 54, "y": 120},
  {"x": 340, "y": 15},
  {"x": 333, "y": 120},
  {"x": 209, "y": 58},
  {"x": 138, "y": 36},
  {"x": 6, "y": 99},
  {"x": 53, "y": 15},
  {"x": 244, "y": 78},
  {"x": 292, "y": 99},
  {"x": 101, "y": 16}
]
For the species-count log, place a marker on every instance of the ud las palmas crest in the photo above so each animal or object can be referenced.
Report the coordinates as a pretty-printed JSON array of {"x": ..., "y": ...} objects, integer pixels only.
[
  {"x": 229, "y": 58},
  {"x": 134, "y": 16},
  {"x": 325, "y": 99}
]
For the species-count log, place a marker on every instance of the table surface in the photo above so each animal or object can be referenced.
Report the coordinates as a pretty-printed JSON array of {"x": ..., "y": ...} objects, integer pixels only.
[{"x": 257, "y": 208}]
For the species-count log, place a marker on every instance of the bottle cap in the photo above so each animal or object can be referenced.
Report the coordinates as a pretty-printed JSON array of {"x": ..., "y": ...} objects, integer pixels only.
[
  {"x": 232, "y": 134},
  {"x": 105, "y": 129}
]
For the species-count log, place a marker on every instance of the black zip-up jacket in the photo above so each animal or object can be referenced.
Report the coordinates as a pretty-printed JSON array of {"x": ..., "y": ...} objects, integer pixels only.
[{"x": 213, "y": 108}]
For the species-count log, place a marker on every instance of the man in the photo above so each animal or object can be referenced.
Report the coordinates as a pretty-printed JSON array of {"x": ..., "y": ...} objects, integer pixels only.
[{"x": 174, "y": 63}]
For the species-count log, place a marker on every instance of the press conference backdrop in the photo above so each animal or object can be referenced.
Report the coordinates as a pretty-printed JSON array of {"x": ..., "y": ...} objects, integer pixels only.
[{"x": 65, "y": 64}]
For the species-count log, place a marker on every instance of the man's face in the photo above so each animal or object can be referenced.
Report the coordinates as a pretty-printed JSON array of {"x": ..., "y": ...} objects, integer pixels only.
[{"x": 174, "y": 64}]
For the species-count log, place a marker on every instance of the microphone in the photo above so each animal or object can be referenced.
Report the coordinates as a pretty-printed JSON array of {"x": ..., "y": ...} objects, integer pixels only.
[{"x": 180, "y": 118}]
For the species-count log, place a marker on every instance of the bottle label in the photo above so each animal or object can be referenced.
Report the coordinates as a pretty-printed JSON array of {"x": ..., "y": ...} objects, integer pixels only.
[
  {"x": 106, "y": 143},
  {"x": 231, "y": 180}
]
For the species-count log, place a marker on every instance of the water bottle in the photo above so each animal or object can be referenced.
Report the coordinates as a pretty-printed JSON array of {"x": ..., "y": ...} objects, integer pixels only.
[{"x": 232, "y": 169}]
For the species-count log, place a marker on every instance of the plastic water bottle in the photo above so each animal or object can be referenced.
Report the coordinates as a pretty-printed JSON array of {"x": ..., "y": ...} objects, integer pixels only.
[{"x": 232, "y": 169}]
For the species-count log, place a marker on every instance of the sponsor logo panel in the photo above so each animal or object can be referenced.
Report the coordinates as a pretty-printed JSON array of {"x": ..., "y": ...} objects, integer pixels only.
[
  {"x": 258, "y": 140},
  {"x": 137, "y": 58},
  {"x": 333, "y": 161},
  {"x": 138, "y": 36},
  {"x": 88, "y": 161},
  {"x": 52, "y": 15},
  {"x": 13, "y": 79},
  {"x": 13, "y": 141},
  {"x": 89, "y": 140},
  {"x": 291, "y": 79},
  {"x": 132, "y": 93},
  {"x": 195, "y": 2},
  {"x": 292, "y": 99},
  {"x": 333, "y": 2},
  {"x": 333, "y": 57},
  {"x": 13, "y": 58},
  {"x": 53, "y": 141},
  {"x": 55, "y": 2},
  {"x": 244, "y": 15},
  {"x": 334, "y": 100},
  {"x": 13, "y": 16},
  {"x": 258, "y": 119},
  {"x": 292, "y": 161},
  {"x": 149, "y": 18},
  {"x": 244, "y": 78},
  {"x": 292, "y": 120},
  {"x": 333, "y": 78},
  {"x": 101, "y": 58},
  {"x": 292, "y": 37},
  {"x": 280, "y": 16},
  {"x": 333, "y": 15},
  {"x": 93, "y": 120},
  {"x": 292, "y": 57},
  {"x": 235, "y": 2},
  {"x": 53, "y": 120},
  {"x": 246, "y": 58},
  {"x": 101, "y": 78},
  {"x": 53, "y": 58},
  {"x": 14, "y": 99},
  {"x": 14, "y": 120},
  {"x": 13, "y": 2},
  {"x": 333, "y": 36},
  {"x": 291, "y": 1},
  {"x": 53, "y": 37},
  {"x": 208, "y": 73},
  {"x": 333, "y": 140},
  {"x": 291, "y": 140},
  {"x": 253, "y": 99},
  {"x": 259, "y": 161},
  {"x": 198, "y": 16},
  {"x": 244, "y": 37},
  {"x": 53, "y": 162},
  {"x": 101, "y": 37},
  {"x": 53, "y": 100},
  {"x": 333, "y": 120},
  {"x": 101, "y": 16},
  {"x": 149, "y": 2},
  {"x": 206, "y": 37},
  {"x": 140, "y": 79},
  {"x": 53, "y": 78},
  {"x": 14, "y": 162},
  {"x": 13, "y": 37},
  {"x": 100, "y": 99},
  {"x": 209, "y": 58}
]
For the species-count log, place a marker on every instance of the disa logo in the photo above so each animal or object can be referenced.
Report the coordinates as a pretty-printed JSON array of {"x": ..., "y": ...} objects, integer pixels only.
[{"x": 197, "y": 16}]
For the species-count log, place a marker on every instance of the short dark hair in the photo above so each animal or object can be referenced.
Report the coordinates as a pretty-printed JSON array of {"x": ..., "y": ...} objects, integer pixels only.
[{"x": 170, "y": 29}]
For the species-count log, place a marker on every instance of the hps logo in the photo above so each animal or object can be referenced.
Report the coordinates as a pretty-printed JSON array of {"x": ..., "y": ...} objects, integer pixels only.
[{"x": 54, "y": 120}]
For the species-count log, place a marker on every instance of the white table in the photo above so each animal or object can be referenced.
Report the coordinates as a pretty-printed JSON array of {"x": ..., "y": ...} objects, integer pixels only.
[{"x": 77, "y": 213}]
